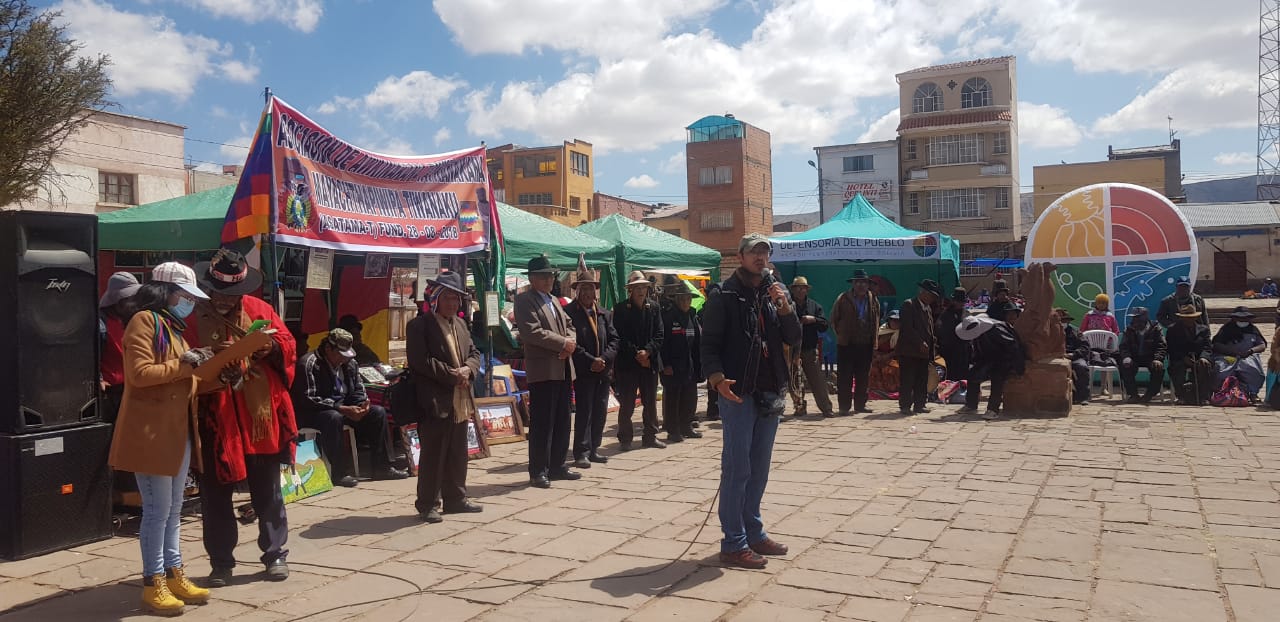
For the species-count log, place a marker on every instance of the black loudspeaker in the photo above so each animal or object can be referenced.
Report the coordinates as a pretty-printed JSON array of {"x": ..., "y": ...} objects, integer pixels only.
[
  {"x": 48, "y": 320},
  {"x": 55, "y": 490}
]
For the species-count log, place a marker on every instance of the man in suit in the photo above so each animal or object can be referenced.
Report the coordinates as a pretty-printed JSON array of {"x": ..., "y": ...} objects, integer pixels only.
[
  {"x": 806, "y": 357},
  {"x": 639, "y": 325},
  {"x": 855, "y": 317},
  {"x": 916, "y": 348},
  {"x": 593, "y": 360},
  {"x": 549, "y": 341},
  {"x": 1182, "y": 295},
  {"x": 443, "y": 361}
]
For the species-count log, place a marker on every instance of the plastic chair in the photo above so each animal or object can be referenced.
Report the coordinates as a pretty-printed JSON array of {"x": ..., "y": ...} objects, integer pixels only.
[{"x": 1106, "y": 341}]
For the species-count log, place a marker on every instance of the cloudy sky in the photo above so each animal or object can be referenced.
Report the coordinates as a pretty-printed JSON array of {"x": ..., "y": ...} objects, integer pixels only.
[{"x": 629, "y": 75}]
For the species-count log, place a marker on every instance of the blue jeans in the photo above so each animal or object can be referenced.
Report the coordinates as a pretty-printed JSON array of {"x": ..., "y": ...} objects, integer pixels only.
[
  {"x": 744, "y": 472},
  {"x": 161, "y": 517}
]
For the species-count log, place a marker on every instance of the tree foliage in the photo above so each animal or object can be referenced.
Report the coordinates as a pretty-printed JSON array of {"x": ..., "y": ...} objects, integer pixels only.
[{"x": 47, "y": 91}]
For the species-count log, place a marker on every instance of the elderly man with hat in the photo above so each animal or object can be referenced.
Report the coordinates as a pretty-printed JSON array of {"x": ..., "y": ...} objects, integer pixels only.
[
  {"x": 805, "y": 359},
  {"x": 954, "y": 350},
  {"x": 1081, "y": 356},
  {"x": 681, "y": 363},
  {"x": 114, "y": 313},
  {"x": 997, "y": 354},
  {"x": 247, "y": 426},
  {"x": 1000, "y": 305},
  {"x": 1190, "y": 352},
  {"x": 916, "y": 348},
  {"x": 1183, "y": 295},
  {"x": 747, "y": 323},
  {"x": 1141, "y": 345},
  {"x": 593, "y": 359},
  {"x": 443, "y": 362},
  {"x": 365, "y": 356},
  {"x": 639, "y": 323},
  {"x": 328, "y": 393},
  {"x": 549, "y": 341},
  {"x": 855, "y": 318}
]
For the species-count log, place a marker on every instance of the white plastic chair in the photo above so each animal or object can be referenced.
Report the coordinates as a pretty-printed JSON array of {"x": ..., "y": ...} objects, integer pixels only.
[{"x": 1106, "y": 341}]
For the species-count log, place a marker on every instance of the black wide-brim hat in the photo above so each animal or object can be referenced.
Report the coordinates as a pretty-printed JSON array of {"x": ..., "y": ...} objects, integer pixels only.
[
  {"x": 859, "y": 275},
  {"x": 228, "y": 274},
  {"x": 1242, "y": 313},
  {"x": 931, "y": 286},
  {"x": 450, "y": 280},
  {"x": 541, "y": 265}
]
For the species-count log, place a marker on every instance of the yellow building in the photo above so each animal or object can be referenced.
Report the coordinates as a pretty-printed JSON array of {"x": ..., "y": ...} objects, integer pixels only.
[
  {"x": 554, "y": 182},
  {"x": 1158, "y": 168},
  {"x": 673, "y": 220},
  {"x": 958, "y": 153}
]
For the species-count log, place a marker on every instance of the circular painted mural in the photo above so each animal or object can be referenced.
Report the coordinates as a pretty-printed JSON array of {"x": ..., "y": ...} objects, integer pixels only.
[{"x": 1120, "y": 239}]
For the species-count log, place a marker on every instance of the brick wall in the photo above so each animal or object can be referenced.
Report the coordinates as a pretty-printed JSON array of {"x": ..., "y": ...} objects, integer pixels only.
[{"x": 607, "y": 205}]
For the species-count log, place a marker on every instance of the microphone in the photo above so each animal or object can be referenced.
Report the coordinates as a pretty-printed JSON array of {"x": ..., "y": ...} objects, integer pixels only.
[{"x": 766, "y": 277}]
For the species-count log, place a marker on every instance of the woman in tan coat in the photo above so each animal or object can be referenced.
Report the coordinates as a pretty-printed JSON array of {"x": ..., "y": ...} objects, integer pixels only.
[{"x": 155, "y": 434}]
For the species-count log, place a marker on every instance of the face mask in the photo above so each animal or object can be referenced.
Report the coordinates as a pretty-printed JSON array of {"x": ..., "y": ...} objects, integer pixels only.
[
  {"x": 184, "y": 308},
  {"x": 1243, "y": 324}
]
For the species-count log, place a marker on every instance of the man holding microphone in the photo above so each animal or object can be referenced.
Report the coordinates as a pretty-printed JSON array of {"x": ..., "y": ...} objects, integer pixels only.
[{"x": 747, "y": 323}]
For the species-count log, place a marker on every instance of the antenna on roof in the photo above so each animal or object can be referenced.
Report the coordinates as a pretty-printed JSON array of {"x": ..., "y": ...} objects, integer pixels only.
[{"x": 1172, "y": 133}]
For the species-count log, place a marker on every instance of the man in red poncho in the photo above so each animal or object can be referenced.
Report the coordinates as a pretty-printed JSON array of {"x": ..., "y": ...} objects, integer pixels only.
[{"x": 247, "y": 427}]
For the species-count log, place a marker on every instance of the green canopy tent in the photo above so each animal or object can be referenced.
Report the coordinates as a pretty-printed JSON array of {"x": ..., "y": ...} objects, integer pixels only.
[
  {"x": 638, "y": 246},
  {"x": 861, "y": 237},
  {"x": 187, "y": 223},
  {"x": 528, "y": 235}
]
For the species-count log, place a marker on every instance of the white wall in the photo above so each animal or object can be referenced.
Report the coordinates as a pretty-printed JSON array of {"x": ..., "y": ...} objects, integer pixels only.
[{"x": 835, "y": 182}]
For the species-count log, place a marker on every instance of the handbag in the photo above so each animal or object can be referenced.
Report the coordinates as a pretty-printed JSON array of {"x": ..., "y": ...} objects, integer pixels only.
[
  {"x": 403, "y": 398},
  {"x": 1229, "y": 394}
]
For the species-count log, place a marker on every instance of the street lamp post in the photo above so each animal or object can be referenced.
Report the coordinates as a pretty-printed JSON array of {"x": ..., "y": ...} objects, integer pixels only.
[{"x": 822, "y": 190}]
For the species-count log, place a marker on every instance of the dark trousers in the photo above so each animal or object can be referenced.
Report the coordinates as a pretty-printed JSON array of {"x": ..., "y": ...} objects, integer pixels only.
[
  {"x": 1082, "y": 378},
  {"x": 370, "y": 430},
  {"x": 549, "y": 425},
  {"x": 913, "y": 390},
  {"x": 853, "y": 368},
  {"x": 1190, "y": 382},
  {"x": 442, "y": 467},
  {"x": 644, "y": 382},
  {"x": 221, "y": 529},
  {"x": 1129, "y": 378},
  {"x": 973, "y": 392},
  {"x": 591, "y": 394},
  {"x": 679, "y": 401},
  {"x": 957, "y": 359}
]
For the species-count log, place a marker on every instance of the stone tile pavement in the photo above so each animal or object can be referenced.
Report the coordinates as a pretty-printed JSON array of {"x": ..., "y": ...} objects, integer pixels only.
[{"x": 1116, "y": 513}]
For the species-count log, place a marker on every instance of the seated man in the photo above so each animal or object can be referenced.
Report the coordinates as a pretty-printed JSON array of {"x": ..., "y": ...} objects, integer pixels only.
[
  {"x": 328, "y": 393},
  {"x": 1141, "y": 345},
  {"x": 1079, "y": 353},
  {"x": 365, "y": 356},
  {"x": 1270, "y": 289},
  {"x": 1190, "y": 350}
]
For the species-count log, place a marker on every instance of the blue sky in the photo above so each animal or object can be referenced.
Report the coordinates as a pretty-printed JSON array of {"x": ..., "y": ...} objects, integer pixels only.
[{"x": 628, "y": 75}]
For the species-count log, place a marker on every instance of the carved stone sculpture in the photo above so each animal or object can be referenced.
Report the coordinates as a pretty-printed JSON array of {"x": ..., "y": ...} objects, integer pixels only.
[{"x": 1045, "y": 389}]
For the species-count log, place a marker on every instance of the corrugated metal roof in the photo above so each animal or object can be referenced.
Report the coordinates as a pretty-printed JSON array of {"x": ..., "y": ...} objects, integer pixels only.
[
  {"x": 1244, "y": 214},
  {"x": 960, "y": 65},
  {"x": 664, "y": 212},
  {"x": 955, "y": 118}
]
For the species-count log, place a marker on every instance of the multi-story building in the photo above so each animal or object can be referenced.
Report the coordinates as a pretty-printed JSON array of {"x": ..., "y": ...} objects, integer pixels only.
[
  {"x": 112, "y": 162},
  {"x": 1158, "y": 168},
  {"x": 958, "y": 145},
  {"x": 608, "y": 205},
  {"x": 554, "y": 182},
  {"x": 869, "y": 169},
  {"x": 673, "y": 219},
  {"x": 730, "y": 180}
]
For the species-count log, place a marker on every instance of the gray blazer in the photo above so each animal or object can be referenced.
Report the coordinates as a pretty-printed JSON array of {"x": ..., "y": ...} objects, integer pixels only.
[{"x": 544, "y": 329}]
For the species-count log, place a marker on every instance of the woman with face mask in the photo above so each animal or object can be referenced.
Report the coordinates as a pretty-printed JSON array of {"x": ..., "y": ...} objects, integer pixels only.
[
  {"x": 1237, "y": 351},
  {"x": 155, "y": 435}
]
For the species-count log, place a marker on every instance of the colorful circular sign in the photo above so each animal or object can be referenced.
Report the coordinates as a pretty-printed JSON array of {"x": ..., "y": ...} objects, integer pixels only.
[
  {"x": 1124, "y": 240},
  {"x": 925, "y": 246}
]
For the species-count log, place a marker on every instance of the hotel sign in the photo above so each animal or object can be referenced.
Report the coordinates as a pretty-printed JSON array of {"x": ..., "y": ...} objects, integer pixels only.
[{"x": 871, "y": 190}]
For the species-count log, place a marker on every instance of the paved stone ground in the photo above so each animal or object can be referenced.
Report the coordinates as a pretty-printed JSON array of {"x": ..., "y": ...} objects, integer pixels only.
[{"x": 1116, "y": 513}]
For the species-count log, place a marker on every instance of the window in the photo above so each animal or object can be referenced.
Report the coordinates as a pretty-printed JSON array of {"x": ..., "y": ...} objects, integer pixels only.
[
  {"x": 115, "y": 188},
  {"x": 575, "y": 205},
  {"x": 970, "y": 252},
  {"x": 535, "y": 198},
  {"x": 535, "y": 166},
  {"x": 911, "y": 149},
  {"x": 579, "y": 164},
  {"x": 853, "y": 164},
  {"x": 913, "y": 203},
  {"x": 1000, "y": 146},
  {"x": 955, "y": 149},
  {"x": 1002, "y": 198},
  {"x": 975, "y": 93},
  {"x": 951, "y": 204},
  {"x": 715, "y": 176},
  {"x": 547, "y": 167},
  {"x": 928, "y": 98},
  {"x": 719, "y": 220}
]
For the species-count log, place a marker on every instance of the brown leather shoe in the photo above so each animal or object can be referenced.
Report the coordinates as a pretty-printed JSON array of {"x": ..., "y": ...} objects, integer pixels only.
[
  {"x": 768, "y": 546},
  {"x": 746, "y": 558}
]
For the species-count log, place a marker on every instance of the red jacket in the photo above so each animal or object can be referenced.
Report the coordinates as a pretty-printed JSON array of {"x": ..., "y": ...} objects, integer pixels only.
[
  {"x": 111, "y": 361},
  {"x": 224, "y": 413}
]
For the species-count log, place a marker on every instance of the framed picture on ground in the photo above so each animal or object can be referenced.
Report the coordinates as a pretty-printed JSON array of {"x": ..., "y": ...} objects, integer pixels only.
[
  {"x": 412, "y": 446},
  {"x": 499, "y": 420},
  {"x": 307, "y": 477},
  {"x": 476, "y": 447}
]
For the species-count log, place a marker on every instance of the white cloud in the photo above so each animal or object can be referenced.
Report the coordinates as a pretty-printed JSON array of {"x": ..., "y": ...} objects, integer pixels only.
[
  {"x": 415, "y": 94},
  {"x": 1045, "y": 126},
  {"x": 642, "y": 181},
  {"x": 443, "y": 135},
  {"x": 209, "y": 167},
  {"x": 148, "y": 53},
  {"x": 301, "y": 15},
  {"x": 1238, "y": 158},
  {"x": 393, "y": 146},
  {"x": 674, "y": 164},
  {"x": 235, "y": 150},
  {"x": 884, "y": 128},
  {"x": 1200, "y": 97}
]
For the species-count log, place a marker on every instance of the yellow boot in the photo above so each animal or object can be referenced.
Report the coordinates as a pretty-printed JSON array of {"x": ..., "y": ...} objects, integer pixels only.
[
  {"x": 183, "y": 588},
  {"x": 157, "y": 598}
]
